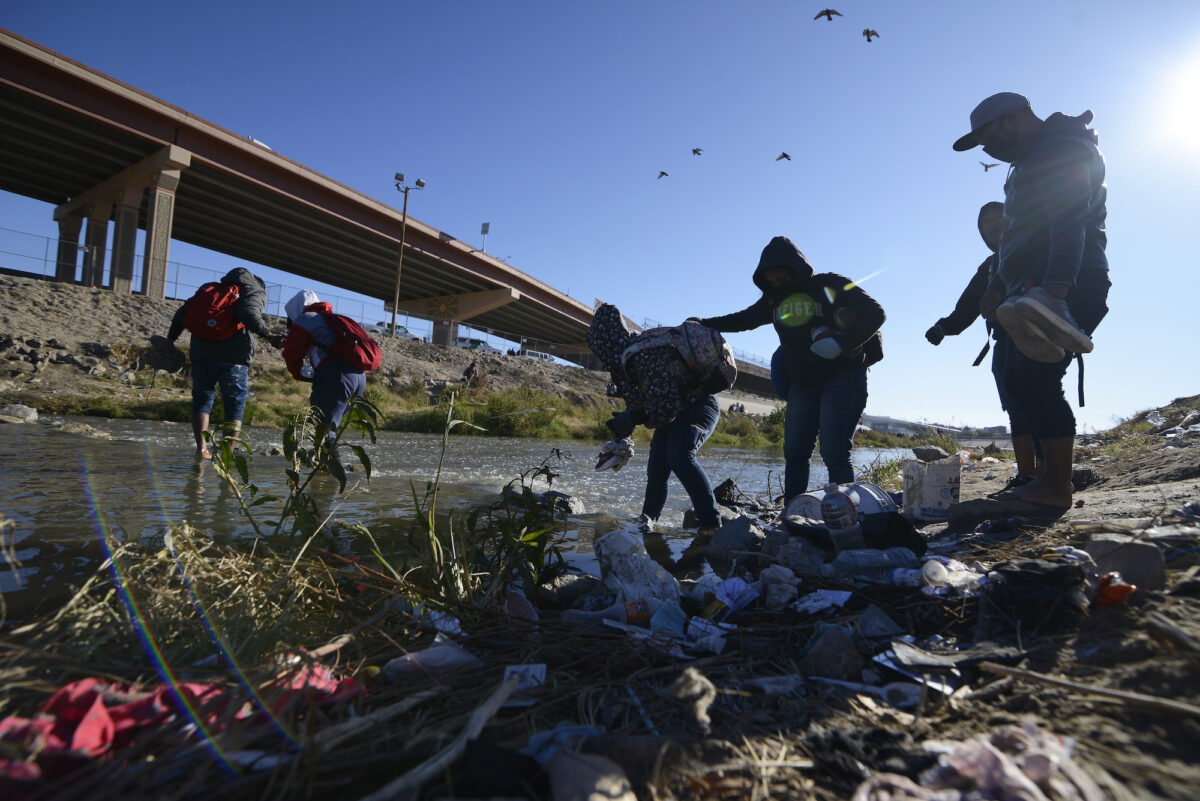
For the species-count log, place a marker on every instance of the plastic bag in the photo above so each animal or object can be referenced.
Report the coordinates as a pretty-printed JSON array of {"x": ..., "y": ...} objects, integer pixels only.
[
  {"x": 627, "y": 569},
  {"x": 443, "y": 655}
]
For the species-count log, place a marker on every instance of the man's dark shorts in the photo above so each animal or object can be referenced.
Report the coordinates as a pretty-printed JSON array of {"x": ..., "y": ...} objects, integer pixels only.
[{"x": 234, "y": 383}]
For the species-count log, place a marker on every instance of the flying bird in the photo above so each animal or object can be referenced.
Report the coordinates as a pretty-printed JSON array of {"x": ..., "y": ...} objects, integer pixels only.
[
  {"x": 868, "y": 32},
  {"x": 783, "y": 156},
  {"x": 696, "y": 151},
  {"x": 828, "y": 14},
  {"x": 662, "y": 174},
  {"x": 987, "y": 167}
]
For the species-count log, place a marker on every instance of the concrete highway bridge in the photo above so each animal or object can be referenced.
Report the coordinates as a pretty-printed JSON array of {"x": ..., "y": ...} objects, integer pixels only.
[{"x": 108, "y": 155}]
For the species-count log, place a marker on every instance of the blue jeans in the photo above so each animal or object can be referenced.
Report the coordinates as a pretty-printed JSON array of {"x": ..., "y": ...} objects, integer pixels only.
[
  {"x": 332, "y": 390},
  {"x": 831, "y": 410},
  {"x": 673, "y": 450},
  {"x": 233, "y": 380}
]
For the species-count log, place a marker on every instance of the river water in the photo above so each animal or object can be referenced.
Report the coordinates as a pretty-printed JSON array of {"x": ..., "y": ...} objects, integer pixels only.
[{"x": 63, "y": 490}]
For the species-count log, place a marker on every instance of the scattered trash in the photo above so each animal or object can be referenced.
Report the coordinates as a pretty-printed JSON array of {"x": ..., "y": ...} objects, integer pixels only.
[
  {"x": 777, "y": 586},
  {"x": 614, "y": 455},
  {"x": 429, "y": 618},
  {"x": 518, "y": 608},
  {"x": 670, "y": 620},
  {"x": 1112, "y": 590},
  {"x": 930, "y": 488},
  {"x": 897, "y": 693},
  {"x": 1007, "y": 763},
  {"x": 888, "y": 659},
  {"x": 528, "y": 676},
  {"x": 822, "y": 599},
  {"x": 841, "y": 519},
  {"x": 1032, "y": 594},
  {"x": 442, "y": 656},
  {"x": 736, "y": 595},
  {"x": 868, "y": 564},
  {"x": 832, "y": 653},
  {"x": 641, "y": 710},
  {"x": 1141, "y": 562},
  {"x": 707, "y": 635},
  {"x": 694, "y": 685},
  {"x": 563, "y": 738},
  {"x": 581, "y": 777},
  {"x": 626, "y": 568}
]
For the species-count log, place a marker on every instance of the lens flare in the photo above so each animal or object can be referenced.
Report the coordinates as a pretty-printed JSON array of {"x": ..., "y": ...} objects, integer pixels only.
[
  {"x": 221, "y": 644},
  {"x": 797, "y": 309},
  {"x": 149, "y": 642}
]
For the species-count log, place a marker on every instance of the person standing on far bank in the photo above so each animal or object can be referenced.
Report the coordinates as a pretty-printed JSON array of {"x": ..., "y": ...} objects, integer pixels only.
[{"x": 1051, "y": 286}]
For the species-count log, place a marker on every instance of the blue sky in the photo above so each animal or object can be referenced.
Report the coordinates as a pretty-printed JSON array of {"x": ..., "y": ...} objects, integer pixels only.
[{"x": 551, "y": 121}]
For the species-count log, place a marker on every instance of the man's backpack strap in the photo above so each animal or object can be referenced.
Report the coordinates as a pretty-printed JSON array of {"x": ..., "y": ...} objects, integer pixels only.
[
  {"x": 983, "y": 353},
  {"x": 1079, "y": 361}
]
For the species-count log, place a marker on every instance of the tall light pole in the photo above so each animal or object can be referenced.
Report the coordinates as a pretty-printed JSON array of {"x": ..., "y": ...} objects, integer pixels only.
[{"x": 402, "y": 187}]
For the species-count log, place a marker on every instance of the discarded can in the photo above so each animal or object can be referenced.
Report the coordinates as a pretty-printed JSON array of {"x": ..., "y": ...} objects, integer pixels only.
[
  {"x": 841, "y": 518},
  {"x": 1112, "y": 590}
]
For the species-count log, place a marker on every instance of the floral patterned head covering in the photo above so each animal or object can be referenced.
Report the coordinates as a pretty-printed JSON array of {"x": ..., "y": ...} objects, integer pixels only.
[{"x": 608, "y": 337}]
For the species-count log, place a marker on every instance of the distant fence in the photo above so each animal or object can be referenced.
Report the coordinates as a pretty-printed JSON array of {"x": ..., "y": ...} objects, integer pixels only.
[{"x": 38, "y": 254}]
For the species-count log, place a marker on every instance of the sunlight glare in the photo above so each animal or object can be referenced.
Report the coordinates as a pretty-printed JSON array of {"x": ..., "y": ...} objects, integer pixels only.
[{"x": 1181, "y": 109}]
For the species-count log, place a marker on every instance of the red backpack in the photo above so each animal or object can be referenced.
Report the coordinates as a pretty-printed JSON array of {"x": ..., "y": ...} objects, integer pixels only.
[
  {"x": 209, "y": 312},
  {"x": 351, "y": 343}
]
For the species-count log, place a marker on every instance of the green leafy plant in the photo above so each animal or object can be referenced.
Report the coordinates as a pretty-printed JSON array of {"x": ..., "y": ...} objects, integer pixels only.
[{"x": 309, "y": 446}]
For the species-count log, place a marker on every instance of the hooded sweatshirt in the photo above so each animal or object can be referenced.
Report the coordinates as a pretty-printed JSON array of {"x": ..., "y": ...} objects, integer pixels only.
[
  {"x": 239, "y": 348},
  {"x": 967, "y": 309},
  {"x": 307, "y": 333},
  {"x": 1054, "y": 200},
  {"x": 806, "y": 303},
  {"x": 655, "y": 383}
]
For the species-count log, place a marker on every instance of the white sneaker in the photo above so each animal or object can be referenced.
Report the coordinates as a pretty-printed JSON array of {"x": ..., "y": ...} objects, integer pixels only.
[
  {"x": 1029, "y": 338},
  {"x": 644, "y": 524},
  {"x": 1041, "y": 309}
]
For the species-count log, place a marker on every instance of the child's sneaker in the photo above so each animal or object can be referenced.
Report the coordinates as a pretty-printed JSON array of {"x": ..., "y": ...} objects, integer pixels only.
[
  {"x": 1029, "y": 338},
  {"x": 1041, "y": 309}
]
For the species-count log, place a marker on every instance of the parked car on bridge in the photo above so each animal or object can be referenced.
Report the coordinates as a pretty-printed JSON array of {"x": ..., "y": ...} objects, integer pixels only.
[{"x": 386, "y": 330}]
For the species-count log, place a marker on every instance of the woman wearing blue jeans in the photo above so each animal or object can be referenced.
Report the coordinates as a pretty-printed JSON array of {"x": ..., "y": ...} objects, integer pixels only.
[
  {"x": 662, "y": 393},
  {"x": 828, "y": 335}
]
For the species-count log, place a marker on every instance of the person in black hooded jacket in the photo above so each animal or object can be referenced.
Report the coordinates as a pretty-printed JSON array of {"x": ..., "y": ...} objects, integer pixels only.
[
  {"x": 992, "y": 224},
  {"x": 829, "y": 334},
  {"x": 225, "y": 363},
  {"x": 1050, "y": 290}
]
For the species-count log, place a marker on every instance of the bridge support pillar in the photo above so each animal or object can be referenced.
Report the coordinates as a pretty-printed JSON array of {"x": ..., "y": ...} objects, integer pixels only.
[
  {"x": 444, "y": 332},
  {"x": 68, "y": 248},
  {"x": 159, "y": 172},
  {"x": 96, "y": 239},
  {"x": 160, "y": 216},
  {"x": 125, "y": 239},
  {"x": 448, "y": 311}
]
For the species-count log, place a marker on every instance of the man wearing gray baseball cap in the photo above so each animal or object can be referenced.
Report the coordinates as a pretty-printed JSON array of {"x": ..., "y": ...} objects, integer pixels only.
[{"x": 1050, "y": 289}]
